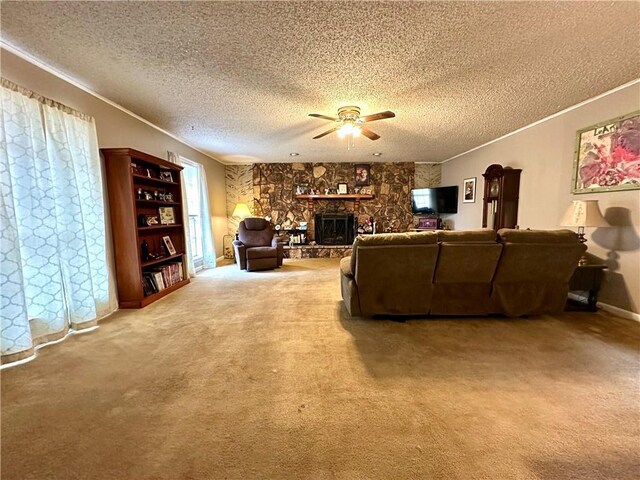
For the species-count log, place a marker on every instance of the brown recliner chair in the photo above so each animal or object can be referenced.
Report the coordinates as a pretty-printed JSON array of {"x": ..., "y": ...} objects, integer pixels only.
[{"x": 256, "y": 247}]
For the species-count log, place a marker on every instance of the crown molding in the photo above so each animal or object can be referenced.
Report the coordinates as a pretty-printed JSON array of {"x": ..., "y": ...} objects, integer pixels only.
[
  {"x": 538, "y": 122},
  {"x": 66, "y": 78}
]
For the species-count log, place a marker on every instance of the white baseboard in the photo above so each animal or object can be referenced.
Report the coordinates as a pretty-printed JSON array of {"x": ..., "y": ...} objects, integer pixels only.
[
  {"x": 620, "y": 312},
  {"x": 617, "y": 311}
]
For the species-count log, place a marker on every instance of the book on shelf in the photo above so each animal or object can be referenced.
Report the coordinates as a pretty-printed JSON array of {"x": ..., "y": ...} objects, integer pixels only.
[{"x": 161, "y": 277}]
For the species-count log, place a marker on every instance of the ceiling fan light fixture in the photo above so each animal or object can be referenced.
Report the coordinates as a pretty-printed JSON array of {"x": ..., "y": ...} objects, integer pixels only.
[
  {"x": 294, "y": 154},
  {"x": 377, "y": 154}
]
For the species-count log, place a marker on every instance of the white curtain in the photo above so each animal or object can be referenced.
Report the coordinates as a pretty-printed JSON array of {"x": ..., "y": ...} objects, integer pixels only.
[
  {"x": 208, "y": 252},
  {"x": 54, "y": 272}
]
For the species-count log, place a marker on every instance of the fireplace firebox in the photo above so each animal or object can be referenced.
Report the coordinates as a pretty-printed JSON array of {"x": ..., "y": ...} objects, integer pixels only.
[{"x": 334, "y": 228}]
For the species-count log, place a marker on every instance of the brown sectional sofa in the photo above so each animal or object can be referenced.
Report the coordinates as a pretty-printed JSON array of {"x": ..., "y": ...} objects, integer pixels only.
[{"x": 478, "y": 272}]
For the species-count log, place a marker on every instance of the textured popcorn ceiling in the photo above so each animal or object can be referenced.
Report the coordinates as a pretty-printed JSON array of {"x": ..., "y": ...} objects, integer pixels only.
[{"x": 237, "y": 79}]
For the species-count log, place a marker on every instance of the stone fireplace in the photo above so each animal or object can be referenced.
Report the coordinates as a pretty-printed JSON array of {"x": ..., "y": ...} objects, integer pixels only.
[{"x": 334, "y": 228}]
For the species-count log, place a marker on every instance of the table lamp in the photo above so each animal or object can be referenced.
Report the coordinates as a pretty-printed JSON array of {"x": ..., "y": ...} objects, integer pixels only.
[
  {"x": 241, "y": 212},
  {"x": 581, "y": 214}
]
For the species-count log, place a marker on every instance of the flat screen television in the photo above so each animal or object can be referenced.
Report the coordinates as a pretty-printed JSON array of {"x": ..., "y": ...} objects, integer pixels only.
[{"x": 434, "y": 201}]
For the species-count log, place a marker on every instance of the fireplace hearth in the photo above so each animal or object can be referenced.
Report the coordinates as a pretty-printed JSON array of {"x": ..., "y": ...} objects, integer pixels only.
[{"x": 334, "y": 228}]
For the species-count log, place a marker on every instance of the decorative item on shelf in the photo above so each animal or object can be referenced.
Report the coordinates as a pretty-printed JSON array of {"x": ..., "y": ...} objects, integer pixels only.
[
  {"x": 144, "y": 251},
  {"x": 302, "y": 189},
  {"x": 431, "y": 222},
  {"x": 166, "y": 176},
  {"x": 156, "y": 195},
  {"x": 365, "y": 191},
  {"x": 161, "y": 196},
  {"x": 169, "y": 245},
  {"x": 581, "y": 214},
  {"x": 302, "y": 226},
  {"x": 363, "y": 172},
  {"x": 343, "y": 188},
  {"x": 167, "y": 216},
  {"x": 140, "y": 194},
  {"x": 148, "y": 220},
  {"x": 368, "y": 227},
  {"x": 168, "y": 197},
  {"x": 138, "y": 170},
  {"x": 469, "y": 189},
  {"x": 148, "y": 195},
  {"x": 149, "y": 173},
  {"x": 356, "y": 190},
  {"x": 227, "y": 247}
]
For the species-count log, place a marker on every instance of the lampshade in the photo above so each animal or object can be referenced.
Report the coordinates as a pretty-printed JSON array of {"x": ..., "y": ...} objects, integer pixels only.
[
  {"x": 241, "y": 211},
  {"x": 584, "y": 213}
]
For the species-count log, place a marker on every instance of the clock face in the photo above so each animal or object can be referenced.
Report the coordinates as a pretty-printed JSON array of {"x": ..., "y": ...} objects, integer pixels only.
[{"x": 494, "y": 187}]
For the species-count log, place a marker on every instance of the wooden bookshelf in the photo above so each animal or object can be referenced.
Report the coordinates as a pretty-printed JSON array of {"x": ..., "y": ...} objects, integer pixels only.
[{"x": 127, "y": 209}]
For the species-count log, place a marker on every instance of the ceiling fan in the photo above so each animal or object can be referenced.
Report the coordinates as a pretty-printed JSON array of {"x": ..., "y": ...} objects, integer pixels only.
[{"x": 349, "y": 122}]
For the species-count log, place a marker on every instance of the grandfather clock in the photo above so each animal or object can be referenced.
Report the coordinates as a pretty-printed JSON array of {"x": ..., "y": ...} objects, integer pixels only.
[{"x": 501, "y": 192}]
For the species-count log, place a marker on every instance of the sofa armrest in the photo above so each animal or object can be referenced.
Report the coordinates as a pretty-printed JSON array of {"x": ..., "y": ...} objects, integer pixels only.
[{"x": 345, "y": 267}]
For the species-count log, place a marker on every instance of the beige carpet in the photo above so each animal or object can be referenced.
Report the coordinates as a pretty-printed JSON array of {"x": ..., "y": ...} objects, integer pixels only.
[{"x": 262, "y": 375}]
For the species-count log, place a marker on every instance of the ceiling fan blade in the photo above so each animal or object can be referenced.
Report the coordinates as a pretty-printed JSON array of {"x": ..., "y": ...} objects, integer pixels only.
[
  {"x": 378, "y": 116},
  {"x": 325, "y": 133},
  {"x": 369, "y": 134},
  {"x": 324, "y": 117}
]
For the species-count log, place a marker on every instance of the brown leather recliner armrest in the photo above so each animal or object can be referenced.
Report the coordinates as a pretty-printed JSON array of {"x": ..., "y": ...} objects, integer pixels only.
[
  {"x": 278, "y": 242},
  {"x": 241, "y": 254}
]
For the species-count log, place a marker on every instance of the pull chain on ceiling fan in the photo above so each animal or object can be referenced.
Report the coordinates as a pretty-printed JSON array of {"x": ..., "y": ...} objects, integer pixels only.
[{"x": 350, "y": 124}]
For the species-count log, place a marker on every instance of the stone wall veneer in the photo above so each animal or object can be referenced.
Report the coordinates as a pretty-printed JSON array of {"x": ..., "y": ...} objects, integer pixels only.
[
  {"x": 239, "y": 189},
  {"x": 274, "y": 187}
]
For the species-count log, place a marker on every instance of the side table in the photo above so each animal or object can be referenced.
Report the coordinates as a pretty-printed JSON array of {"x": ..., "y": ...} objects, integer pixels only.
[{"x": 587, "y": 278}]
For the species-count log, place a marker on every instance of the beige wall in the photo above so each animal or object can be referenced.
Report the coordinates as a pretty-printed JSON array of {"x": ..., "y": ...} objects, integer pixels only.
[
  {"x": 118, "y": 129},
  {"x": 545, "y": 155}
]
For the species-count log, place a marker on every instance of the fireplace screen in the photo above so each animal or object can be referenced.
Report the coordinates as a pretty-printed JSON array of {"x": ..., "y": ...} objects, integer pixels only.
[{"x": 334, "y": 228}]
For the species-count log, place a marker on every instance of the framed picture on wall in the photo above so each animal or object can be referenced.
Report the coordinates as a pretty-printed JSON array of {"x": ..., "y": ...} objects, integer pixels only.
[
  {"x": 363, "y": 174},
  {"x": 469, "y": 189},
  {"x": 343, "y": 188},
  {"x": 607, "y": 156}
]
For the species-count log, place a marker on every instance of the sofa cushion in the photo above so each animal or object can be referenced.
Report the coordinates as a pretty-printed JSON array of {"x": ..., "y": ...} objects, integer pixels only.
[
  {"x": 387, "y": 239},
  {"x": 466, "y": 236},
  {"x": 262, "y": 252},
  {"x": 410, "y": 238},
  {"x": 473, "y": 262},
  {"x": 509, "y": 235}
]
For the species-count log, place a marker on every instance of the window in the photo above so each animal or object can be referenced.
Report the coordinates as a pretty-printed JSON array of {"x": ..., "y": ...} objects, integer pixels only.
[{"x": 192, "y": 181}]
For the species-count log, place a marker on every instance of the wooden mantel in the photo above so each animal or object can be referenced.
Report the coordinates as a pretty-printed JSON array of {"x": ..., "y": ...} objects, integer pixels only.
[{"x": 356, "y": 197}]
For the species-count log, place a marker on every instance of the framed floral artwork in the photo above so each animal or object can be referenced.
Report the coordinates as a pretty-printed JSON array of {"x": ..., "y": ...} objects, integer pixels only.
[{"x": 607, "y": 156}]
